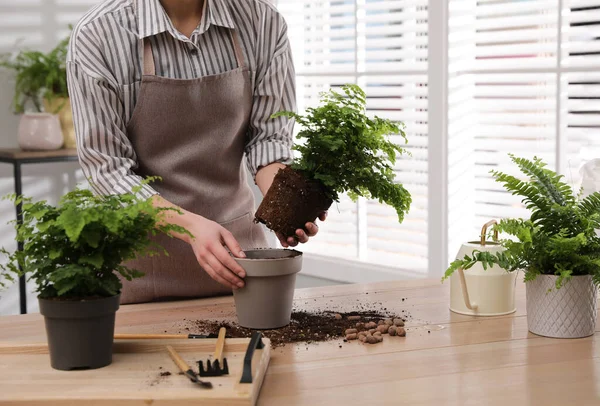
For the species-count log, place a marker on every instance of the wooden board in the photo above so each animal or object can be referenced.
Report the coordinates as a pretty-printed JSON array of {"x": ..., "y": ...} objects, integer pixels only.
[{"x": 134, "y": 377}]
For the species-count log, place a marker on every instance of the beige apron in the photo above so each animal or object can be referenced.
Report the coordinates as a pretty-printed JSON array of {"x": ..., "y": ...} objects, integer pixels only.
[{"x": 192, "y": 133}]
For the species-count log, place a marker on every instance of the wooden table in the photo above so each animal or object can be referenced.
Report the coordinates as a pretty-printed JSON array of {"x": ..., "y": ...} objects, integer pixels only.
[
  {"x": 17, "y": 158},
  {"x": 446, "y": 358}
]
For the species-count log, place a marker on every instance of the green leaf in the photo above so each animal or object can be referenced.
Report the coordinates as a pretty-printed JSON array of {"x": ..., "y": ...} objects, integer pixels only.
[
  {"x": 96, "y": 259},
  {"x": 73, "y": 222}
]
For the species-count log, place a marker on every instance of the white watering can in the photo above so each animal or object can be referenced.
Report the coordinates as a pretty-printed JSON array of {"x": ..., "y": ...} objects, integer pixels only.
[{"x": 480, "y": 292}]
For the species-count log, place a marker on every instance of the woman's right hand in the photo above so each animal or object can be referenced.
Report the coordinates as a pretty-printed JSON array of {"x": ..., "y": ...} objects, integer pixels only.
[{"x": 209, "y": 242}]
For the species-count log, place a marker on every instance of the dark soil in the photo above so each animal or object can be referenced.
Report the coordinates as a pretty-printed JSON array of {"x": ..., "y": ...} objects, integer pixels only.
[
  {"x": 305, "y": 326},
  {"x": 291, "y": 202},
  {"x": 166, "y": 373}
]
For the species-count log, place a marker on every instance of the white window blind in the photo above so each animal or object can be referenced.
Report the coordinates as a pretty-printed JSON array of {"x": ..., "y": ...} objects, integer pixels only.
[
  {"x": 382, "y": 46},
  {"x": 527, "y": 70}
]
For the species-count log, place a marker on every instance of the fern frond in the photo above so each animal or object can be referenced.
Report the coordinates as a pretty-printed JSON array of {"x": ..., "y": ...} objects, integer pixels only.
[
  {"x": 590, "y": 205},
  {"x": 548, "y": 182},
  {"x": 532, "y": 196}
]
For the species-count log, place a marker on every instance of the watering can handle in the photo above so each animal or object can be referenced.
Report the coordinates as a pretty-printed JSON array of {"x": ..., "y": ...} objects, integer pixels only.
[
  {"x": 484, "y": 231},
  {"x": 463, "y": 282}
]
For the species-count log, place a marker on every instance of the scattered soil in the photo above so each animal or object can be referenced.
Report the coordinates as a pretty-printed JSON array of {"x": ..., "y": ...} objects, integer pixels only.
[
  {"x": 305, "y": 327},
  {"x": 166, "y": 373},
  {"x": 291, "y": 202}
]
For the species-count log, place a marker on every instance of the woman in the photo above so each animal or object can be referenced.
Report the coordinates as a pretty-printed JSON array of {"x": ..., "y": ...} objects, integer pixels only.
[{"x": 181, "y": 89}]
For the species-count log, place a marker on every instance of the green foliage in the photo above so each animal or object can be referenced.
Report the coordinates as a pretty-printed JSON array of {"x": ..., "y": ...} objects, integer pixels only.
[
  {"x": 558, "y": 239},
  {"x": 38, "y": 76},
  {"x": 76, "y": 249},
  {"x": 350, "y": 152}
]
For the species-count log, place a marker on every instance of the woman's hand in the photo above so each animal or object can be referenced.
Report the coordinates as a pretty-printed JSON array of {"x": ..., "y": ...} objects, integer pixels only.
[
  {"x": 264, "y": 179},
  {"x": 301, "y": 235},
  {"x": 208, "y": 243}
]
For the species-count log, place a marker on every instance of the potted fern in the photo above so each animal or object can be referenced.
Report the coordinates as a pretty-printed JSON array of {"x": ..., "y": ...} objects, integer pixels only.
[
  {"x": 74, "y": 252},
  {"x": 557, "y": 248},
  {"x": 342, "y": 151},
  {"x": 41, "y": 97}
]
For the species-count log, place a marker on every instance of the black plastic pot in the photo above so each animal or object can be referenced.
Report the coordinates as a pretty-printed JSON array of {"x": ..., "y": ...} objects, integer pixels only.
[{"x": 80, "y": 333}]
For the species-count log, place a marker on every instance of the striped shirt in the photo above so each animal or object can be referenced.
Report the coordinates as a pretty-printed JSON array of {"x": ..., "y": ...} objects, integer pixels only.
[{"x": 104, "y": 71}]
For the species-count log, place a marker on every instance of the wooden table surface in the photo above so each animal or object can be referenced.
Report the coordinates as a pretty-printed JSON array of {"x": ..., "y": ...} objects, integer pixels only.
[{"x": 445, "y": 359}]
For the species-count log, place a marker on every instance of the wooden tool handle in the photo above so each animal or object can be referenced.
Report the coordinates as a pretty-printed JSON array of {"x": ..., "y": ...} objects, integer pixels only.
[
  {"x": 183, "y": 366},
  {"x": 220, "y": 344},
  {"x": 148, "y": 336}
]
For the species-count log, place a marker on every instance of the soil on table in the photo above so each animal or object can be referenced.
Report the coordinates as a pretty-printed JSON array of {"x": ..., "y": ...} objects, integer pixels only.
[
  {"x": 305, "y": 327},
  {"x": 291, "y": 202}
]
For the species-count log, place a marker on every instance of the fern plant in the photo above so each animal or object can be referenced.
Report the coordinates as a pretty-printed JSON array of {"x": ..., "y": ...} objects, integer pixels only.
[
  {"x": 38, "y": 76},
  {"x": 558, "y": 239},
  {"x": 75, "y": 249},
  {"x": 348, "y": 151}
]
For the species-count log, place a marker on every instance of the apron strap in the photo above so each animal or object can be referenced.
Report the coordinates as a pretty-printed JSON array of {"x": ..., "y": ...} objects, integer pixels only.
[
  {"x": 148, "y": 58},
  {"x": 239, "y": 54}
]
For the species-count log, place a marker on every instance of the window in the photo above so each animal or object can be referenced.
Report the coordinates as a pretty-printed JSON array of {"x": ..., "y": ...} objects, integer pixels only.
[
  {"x": 518, "y": 76},
  {"x": 382, "y": 46}
]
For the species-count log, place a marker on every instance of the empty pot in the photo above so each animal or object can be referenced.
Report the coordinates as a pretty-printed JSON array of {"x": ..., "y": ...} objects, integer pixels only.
[{"x": 266, "y": 300}]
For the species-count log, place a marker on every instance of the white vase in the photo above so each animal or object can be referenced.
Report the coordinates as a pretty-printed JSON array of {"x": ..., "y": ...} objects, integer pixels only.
[
  {"x": 482, "y": 292},
  {"x": 39, "y": 132},
  {"x": 568, "y": 312}
]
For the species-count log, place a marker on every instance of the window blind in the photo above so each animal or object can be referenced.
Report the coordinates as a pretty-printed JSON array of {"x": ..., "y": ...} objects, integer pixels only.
[
  {"x": 530, "y": 71},
  {"x": 382, "y": 46}
]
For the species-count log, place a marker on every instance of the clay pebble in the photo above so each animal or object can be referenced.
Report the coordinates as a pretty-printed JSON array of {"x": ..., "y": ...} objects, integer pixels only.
[
  {"x": 351, "y": 331},
  {"x": 383, "y": 329},
  {"x": 372, "y": 340},
  {"x": 399, "y": 322},
  {"x": 353, "y": 318}
]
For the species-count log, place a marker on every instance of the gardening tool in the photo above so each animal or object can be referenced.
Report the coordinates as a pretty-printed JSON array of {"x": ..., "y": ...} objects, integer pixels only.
[
  {"x": 255, "y": 343},
  {"x": 480, "y": 292},
  {"x": 219, "y": 365},
  {"x": 183, "y": 366},
  {"x": 162, "y": 336}
]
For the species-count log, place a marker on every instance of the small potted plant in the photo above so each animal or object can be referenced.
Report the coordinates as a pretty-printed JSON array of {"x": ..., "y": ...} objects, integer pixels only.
[
  {"x": 342, "y": 151},
  {"x": 73, "y": 252},
  {"x": 41, "y": 97},
  {"x": 557, "y": 248}
]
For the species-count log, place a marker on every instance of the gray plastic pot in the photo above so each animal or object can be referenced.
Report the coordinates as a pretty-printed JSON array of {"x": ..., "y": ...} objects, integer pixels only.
[
  {"x": 80, "y": 333},
  {"x": 266, "y": 300}
]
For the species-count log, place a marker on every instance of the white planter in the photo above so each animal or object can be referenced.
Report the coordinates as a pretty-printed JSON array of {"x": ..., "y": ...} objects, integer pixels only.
[
  {"x": 40, "y": 131},
  {"x": 480, "y": 292},
  {"x": 568, "y": 312}
]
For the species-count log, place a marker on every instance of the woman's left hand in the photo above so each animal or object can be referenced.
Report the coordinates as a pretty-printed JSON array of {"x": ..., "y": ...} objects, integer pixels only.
[{"x": 301, "y": 235}]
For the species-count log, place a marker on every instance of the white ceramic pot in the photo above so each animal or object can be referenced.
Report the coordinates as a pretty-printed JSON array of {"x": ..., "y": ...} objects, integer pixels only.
[
  {"x": 40, "y": 131},
  {"x": 480, "y": 292},
  {"x": 568, "y": 312}
]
